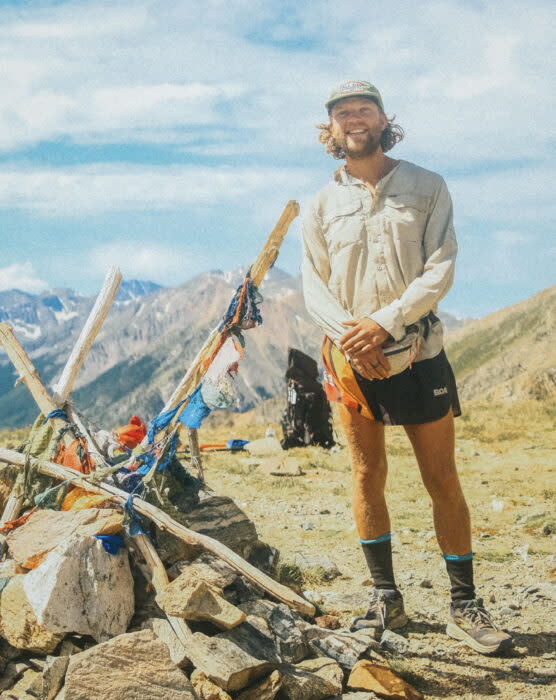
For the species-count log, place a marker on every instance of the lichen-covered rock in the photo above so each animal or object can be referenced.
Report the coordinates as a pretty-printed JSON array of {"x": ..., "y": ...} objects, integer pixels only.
[
  {"x": 379, "y": 679},
  {"x": 164, "y": 631},
  {"x": 198, "y": 600},
  {"x": 18, "y": 623},
  {"x": 82, "y": 588},
  {"x": 134, "y": 666},
  {"x": 312, "y": 679},
  {"x": 46, "y": 529},
  {"x": 282, "y": 625},
  {"x": 266, "y": 689},
  {"x": 230, "y": 666},
  {"x": 206, "y": 689}
]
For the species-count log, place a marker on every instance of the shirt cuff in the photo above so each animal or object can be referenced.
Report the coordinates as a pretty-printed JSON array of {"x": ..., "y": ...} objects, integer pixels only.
[{"x": 390, "y": 318}]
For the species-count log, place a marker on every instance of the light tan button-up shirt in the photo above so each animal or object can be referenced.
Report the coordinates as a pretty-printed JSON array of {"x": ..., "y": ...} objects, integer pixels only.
[{"x": 389, "y": 256}]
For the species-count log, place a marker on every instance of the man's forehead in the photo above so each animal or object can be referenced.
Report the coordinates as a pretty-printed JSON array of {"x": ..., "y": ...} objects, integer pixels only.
[{"x": 352, "y": 102}]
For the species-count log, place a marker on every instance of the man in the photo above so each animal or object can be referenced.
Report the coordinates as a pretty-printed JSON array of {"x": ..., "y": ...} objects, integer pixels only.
[{"x": 379, "y": 253}]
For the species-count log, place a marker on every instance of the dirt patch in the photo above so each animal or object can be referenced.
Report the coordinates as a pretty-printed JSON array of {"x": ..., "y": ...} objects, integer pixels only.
[{"x": 506, "y": 463}]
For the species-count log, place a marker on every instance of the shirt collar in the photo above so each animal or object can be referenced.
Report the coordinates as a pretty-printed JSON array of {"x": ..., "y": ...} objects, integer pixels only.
[{"x": 342, "y": 177}]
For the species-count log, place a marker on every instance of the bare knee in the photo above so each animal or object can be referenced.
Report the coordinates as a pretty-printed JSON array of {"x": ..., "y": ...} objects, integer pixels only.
[
  {"x": 443, "y": 486},
  {"x": 369, "y": 479}
]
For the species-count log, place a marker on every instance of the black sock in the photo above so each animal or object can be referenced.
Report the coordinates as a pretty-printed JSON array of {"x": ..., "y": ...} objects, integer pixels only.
[
  {"x": 378, "y": 554},
  {"x": 460, "y": 571}
]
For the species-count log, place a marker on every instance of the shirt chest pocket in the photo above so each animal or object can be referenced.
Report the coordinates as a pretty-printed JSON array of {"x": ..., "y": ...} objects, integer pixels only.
[
  {"x": 405, "y": 217},
  {"x": 343, "y": 226}
]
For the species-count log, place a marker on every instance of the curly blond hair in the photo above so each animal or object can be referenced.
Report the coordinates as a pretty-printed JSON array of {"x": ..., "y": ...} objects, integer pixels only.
[{"x": 392, "y": 134}]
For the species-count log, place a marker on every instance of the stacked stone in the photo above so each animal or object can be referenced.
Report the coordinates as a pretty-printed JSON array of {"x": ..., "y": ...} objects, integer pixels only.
[{"x": 80, "y": 622}]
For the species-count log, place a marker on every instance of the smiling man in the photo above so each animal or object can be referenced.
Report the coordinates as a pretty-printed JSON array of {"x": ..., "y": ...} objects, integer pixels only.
[{"x": 379, "y": 253}]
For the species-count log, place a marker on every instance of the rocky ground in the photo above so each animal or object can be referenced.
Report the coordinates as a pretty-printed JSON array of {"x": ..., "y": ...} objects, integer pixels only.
[
  {"x": 299, "y": 501},
  {"x": 506, "y": 463}
]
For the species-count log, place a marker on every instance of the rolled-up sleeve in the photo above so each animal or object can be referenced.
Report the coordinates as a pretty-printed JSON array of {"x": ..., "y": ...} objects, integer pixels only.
[
  {"x": 424, "y": 292},
  {"x": 324, "y": 308}
]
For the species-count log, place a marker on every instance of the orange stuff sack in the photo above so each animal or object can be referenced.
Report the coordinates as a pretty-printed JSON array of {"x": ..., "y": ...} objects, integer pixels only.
[
  {"x": 132, "y": 433},
  {"x": 79, "y": 499},
  {"x": 75, "y": 456}
]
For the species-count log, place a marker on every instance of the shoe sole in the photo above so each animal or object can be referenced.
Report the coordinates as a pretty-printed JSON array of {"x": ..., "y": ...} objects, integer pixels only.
[{"x": 452, "y": 630}]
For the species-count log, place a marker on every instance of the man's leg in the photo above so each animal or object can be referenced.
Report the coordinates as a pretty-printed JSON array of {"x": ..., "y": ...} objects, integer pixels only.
[
  {"x": 369, "y": 469},
  {"x": 433, "y": 444}
]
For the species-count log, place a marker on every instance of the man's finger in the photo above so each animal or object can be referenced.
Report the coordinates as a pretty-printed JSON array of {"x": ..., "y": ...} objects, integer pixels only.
[
  {"x": 361, "y": 348},
  {"x": 349, "y": 344},
  {"x": 348, "y": 336}
]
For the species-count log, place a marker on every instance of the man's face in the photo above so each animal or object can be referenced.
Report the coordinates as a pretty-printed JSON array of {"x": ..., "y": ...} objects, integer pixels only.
[{"x": 357, "y": 124}]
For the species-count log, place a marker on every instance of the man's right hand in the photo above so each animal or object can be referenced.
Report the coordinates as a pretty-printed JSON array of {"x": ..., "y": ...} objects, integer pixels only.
[{"x": 372, "y": 364}]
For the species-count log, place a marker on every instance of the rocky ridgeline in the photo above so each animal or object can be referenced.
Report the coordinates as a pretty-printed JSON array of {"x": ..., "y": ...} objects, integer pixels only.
[{"x": 80, "y": 618}]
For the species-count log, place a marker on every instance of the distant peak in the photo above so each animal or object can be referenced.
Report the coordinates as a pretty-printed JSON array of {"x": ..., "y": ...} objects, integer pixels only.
[{"x": 133, "y": 289}]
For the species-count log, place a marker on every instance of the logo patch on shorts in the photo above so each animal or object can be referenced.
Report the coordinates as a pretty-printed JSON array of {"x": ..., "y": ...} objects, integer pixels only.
[{"x": 440, "y": 392}]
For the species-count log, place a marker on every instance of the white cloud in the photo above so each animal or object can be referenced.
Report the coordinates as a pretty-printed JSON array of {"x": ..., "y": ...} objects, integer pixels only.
[
  {"x": 21, "y": 276},
  {"x": 97, "y": 71},
  {"x": 137, "y": 261},
  {"x": 101, "y": 188}
]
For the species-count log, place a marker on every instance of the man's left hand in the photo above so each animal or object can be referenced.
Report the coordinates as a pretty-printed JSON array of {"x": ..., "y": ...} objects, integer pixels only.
[{"x": 363, "y": 335}]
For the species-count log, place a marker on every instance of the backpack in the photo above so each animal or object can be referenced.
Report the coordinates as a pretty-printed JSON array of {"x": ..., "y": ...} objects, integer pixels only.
[{"x": 307, "y": 419}]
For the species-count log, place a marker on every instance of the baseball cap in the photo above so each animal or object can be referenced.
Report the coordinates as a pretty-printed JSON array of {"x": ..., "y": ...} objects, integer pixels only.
[{"x": 354, "y": 88}]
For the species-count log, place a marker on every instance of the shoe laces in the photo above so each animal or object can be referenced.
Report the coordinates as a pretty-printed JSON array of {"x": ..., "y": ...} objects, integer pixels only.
[
  {"x": 477, "y": 615},
  {"x": 378, "y": 606}
]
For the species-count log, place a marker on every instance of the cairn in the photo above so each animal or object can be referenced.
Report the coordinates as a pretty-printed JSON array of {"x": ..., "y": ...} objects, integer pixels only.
[{"x": 125, "y": 576}]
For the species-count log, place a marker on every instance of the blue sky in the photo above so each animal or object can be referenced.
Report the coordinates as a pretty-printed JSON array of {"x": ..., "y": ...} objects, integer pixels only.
[{"x": 166, "y": 137}]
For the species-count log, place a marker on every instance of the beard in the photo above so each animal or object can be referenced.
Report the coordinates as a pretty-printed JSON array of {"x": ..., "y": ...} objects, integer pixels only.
[{"x": 367, "y": 148}]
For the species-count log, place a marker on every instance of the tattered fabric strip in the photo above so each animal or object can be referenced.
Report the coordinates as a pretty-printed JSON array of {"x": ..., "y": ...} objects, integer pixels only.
[{"x": 196, "y": 410}]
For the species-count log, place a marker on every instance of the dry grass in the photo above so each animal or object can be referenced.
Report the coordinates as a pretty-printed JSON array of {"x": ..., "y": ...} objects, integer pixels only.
[{"x": 504, "y": 455}]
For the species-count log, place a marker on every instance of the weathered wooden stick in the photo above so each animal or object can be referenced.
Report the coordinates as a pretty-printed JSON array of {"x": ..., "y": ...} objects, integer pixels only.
[
  {"x": 12, "y": 508},
  {"x": 257, "y": 272},
  {"x": 64, "y": 387},
  {"x": 159, "y": 579},
  {"x": 27, "y": 371},
  {"x": 269, "y": 252},
  {"x": 30, "y": 377},
  {"x": 195, "y": 453},
  {"x": 165, "y": 522}
]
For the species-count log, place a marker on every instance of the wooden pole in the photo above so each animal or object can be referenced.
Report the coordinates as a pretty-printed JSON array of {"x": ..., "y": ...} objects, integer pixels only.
[
  {"x": 159, "y": 579},
  {"x": 195, "y": 453},
  {"x": 165, "y": 522},
  {"x": 32, "y": 380},
  {"x": 64, "y": 387},
  {"x": 258, "y": 270},
  {"x": 27, "y": 372},
  {"x": 270, "y": 250}
]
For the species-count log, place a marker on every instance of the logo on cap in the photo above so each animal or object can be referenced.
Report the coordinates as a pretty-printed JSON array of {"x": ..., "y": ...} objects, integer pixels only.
[{"x": 353, "y": 86}]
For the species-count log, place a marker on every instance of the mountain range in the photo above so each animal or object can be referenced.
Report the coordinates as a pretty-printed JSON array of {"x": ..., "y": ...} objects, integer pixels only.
[{"x": 152, "y": 334}]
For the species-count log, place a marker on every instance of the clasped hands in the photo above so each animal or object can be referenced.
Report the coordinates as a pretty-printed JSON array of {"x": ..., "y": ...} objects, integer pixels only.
[{"x": 362, "y": 344}]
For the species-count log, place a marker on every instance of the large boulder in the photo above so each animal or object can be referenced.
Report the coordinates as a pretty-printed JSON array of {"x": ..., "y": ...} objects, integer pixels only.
[
  {"x": 29, "y": 544},
  {"x": 134, "y": 666},
  {"x": 18, "y": 623},
  {"x": 82, "y": 588}
]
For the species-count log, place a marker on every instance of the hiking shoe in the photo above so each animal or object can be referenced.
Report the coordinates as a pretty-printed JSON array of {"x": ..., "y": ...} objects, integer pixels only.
[
  {"x": 385, "y": 613},
  {"x": 471, "y": 623}
]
